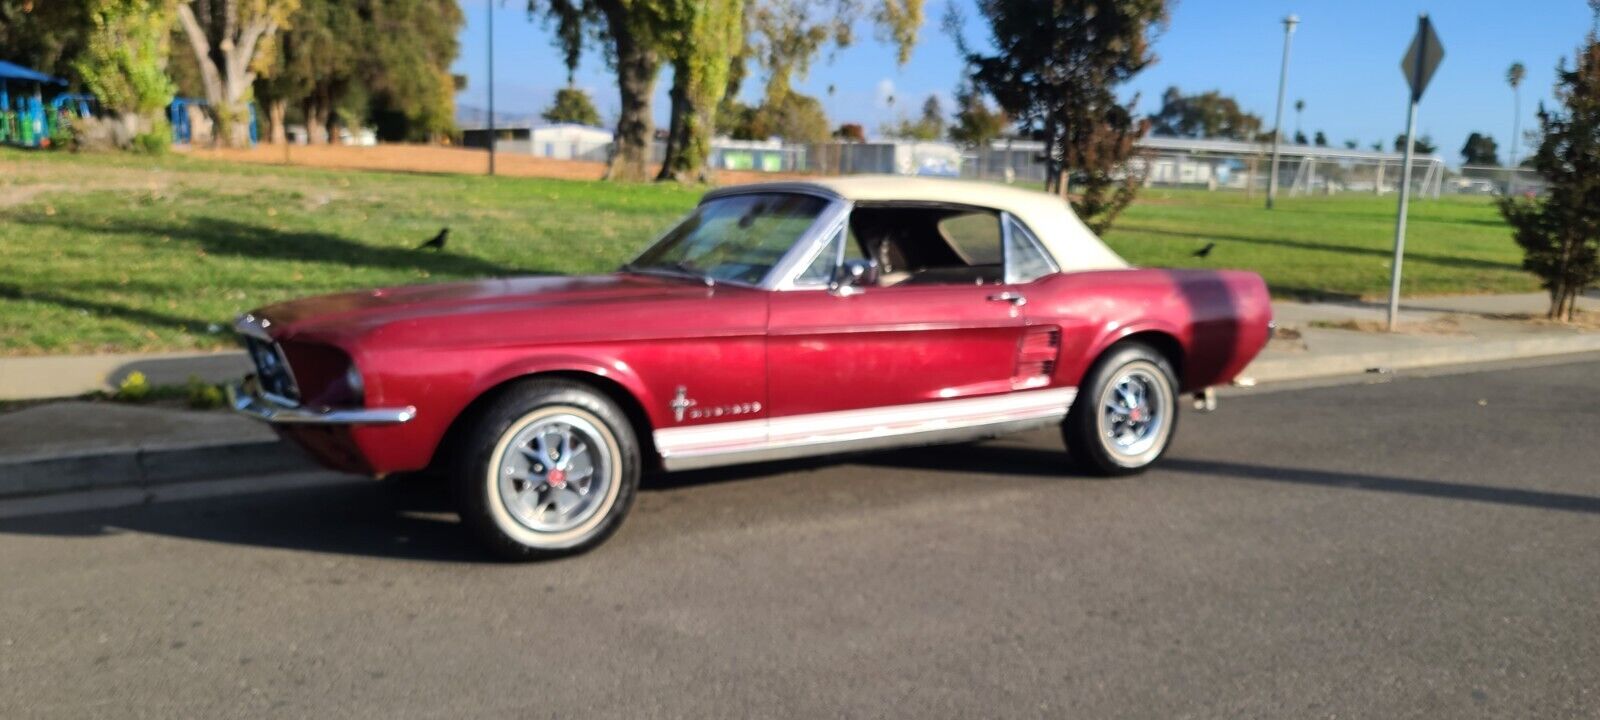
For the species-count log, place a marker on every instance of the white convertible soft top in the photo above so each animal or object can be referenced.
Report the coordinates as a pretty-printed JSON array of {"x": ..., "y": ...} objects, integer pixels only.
[{"x": 1049, "y": 217}]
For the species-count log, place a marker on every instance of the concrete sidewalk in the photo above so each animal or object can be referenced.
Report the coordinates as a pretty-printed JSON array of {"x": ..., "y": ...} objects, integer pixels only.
[
  {"x": 75, "y": 445},
  {"x": 1341, "y": 338}
]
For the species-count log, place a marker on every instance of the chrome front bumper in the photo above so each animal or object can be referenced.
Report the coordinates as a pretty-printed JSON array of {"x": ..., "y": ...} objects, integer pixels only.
[{"x": 245, "y": 402}]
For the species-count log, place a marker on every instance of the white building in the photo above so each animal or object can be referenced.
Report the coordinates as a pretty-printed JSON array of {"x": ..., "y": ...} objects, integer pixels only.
[{"x": 560, "y": 141}]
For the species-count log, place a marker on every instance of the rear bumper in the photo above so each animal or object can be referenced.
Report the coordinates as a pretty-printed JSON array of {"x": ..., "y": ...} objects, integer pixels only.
[{"x": 245, "y": 401}]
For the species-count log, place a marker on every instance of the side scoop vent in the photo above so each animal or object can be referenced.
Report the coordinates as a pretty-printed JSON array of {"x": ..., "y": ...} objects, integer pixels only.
[{"x": 1036, "y": 355}]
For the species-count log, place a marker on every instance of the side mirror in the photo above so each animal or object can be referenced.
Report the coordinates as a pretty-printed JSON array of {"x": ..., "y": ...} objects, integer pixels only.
[{"x": 853, "y": 275}]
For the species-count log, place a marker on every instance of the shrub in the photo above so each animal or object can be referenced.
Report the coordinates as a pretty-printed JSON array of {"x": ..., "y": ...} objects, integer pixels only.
[
  {"x": 1560, "y": 232},
  {"x": 133, "y": 388},
  {"x": 202, "y": 395},
  {"x": 156, "y": 142}
]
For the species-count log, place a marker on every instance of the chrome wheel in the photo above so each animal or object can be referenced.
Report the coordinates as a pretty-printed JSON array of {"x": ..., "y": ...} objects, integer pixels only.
[
  {"x": 1134, "y": 412},
  {"x": 555, "y": 473}
]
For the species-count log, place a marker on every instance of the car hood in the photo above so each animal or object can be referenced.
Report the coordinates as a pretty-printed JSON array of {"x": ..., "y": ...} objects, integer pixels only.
[{"x": 355, "y": 313}]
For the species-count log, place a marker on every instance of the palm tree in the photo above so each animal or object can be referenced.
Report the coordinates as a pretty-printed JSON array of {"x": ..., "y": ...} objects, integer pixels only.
[
  {"x": 1300, "y": 105},
  {"x": 1514, "y": 75}
]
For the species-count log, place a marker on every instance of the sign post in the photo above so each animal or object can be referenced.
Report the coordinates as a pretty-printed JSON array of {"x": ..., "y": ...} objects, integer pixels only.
[{"x": 1421, "y": 59}]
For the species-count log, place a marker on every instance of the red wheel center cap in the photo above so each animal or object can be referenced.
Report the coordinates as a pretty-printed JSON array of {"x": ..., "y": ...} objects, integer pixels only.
[
  {"x": 1136, "y": 415},
  {"x": 557, "y": 478}
]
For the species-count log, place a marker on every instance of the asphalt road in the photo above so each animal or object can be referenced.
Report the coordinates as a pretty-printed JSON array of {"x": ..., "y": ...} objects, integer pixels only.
[{"x": 1426, "y": 547}]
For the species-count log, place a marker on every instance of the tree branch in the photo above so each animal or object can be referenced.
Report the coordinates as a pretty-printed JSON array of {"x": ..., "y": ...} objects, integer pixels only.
[{"x": 202, "y": 52}]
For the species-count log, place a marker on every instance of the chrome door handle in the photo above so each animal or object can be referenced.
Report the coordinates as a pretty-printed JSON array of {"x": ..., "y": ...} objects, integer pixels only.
[{"x": 1015, "y": 299}]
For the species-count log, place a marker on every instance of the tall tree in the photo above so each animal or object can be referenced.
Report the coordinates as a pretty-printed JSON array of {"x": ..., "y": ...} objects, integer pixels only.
[
  {"x": 572, "y": 105},
  {"x": 1560, "y": 231},
  {"x": 1205, "y": 115},
  {"x": 407, "y": 73},
  {"x": 707, "y": 36},
  {"x": 1299, "y": 107},
  {"x": 1424, "y": 144},
  {"x": 1057, "y": 65},
  {"x": 46, "y": 35},
  {"x": 1480, "y": 149},
  {"x": 316, "y": 63},
  {"x": 1514, "y": 76},
  {"x": 976, "y": 123},
  {"x": 231, "y": 39},
  {"x": 632, "y": 33},
  {"x": 929, "y": 126},
  {"x": 360, "y": 62},
  {"x": 125, "y": 62}
]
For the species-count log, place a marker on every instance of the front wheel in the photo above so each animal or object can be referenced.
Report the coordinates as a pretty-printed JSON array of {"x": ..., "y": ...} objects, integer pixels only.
[
  {"x": 1125, "y": 414},
  {"x": 550, "y": 469}
]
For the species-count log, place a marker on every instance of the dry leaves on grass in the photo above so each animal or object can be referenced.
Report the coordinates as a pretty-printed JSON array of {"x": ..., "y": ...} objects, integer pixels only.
[{"x": 1442, "y": 325}]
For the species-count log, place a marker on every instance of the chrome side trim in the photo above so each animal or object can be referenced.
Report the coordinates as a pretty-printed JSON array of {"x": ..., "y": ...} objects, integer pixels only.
[
  {"x": 870, "y": 428},
  {"x": 885, "y": 442},
  {"x": 268, "y": 411}
]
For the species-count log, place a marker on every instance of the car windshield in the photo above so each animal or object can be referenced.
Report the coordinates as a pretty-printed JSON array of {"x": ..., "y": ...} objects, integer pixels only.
[{"x": 736, "y": 238}]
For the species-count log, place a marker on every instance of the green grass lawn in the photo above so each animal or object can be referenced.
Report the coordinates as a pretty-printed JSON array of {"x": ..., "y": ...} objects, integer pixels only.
[
  {"x": 1318, "y": 247},
  {"x": 120, "y": 253}
]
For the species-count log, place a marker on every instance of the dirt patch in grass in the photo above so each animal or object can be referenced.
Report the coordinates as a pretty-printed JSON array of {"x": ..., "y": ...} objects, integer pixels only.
[
  {"x": 1580, "y": 320},
  {"x": 1443, "y": 325}
]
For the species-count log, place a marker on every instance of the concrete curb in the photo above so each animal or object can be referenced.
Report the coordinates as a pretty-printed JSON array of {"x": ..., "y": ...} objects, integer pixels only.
[
  {"x": 146, "y": 466},
  {"x": 1308, "y": 366}
]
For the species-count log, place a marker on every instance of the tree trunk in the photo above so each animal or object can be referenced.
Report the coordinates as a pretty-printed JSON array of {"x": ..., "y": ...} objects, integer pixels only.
[
  {"x": 277, "y": 132},
  {"x": 224, "y": 62},
  {"x": 317, "y": 113},
  {"x": 700, "y": 73},
  {"x": 676, "y": 127},
  {"x": 637, "y": 66}
]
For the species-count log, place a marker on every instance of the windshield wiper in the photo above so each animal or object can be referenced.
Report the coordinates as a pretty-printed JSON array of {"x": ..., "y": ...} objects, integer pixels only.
[{"x": 679, "y": 268}]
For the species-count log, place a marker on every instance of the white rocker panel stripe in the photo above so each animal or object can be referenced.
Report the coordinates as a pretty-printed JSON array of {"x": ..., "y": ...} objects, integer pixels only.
[{"x": 847, "y": 425}]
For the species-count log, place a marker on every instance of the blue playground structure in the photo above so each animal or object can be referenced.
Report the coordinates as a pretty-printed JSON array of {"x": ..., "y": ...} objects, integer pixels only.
[
  {"x": 183, "y": 132},
  {"x": 26, "y": 120},
  {"x": 23, "y": 118}
]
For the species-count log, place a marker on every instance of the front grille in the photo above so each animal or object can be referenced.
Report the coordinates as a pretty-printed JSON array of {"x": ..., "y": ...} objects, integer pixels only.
[{"x": 272, "y": 370}]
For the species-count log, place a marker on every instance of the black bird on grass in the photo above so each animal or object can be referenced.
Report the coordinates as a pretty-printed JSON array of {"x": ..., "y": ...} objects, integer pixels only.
[
  {"x": 438, "y": 241},
  {"x": 1205, "y": 252}
]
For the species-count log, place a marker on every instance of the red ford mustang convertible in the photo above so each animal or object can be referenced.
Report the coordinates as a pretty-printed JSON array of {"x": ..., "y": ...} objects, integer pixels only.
[{"x": 775, "y": 321}]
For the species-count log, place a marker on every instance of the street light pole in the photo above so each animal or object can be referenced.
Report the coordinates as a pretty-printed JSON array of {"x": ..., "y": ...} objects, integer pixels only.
[
  {"x": 1277, "y": 124},
  {"x": 491, "y": 87}
]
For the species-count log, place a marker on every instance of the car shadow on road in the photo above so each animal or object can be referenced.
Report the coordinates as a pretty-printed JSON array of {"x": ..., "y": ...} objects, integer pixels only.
[
  {"x": 415, "y": 520},
  {"x": 1018, "y": 460},
  {"x": 396, "y": 520}
]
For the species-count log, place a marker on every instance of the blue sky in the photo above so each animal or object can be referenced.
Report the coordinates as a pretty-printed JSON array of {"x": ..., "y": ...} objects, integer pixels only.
[{"x": 1345, "y": 64}]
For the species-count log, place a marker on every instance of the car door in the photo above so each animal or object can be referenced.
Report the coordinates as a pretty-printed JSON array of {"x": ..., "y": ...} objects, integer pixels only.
[{"x": 922, "y": 348}]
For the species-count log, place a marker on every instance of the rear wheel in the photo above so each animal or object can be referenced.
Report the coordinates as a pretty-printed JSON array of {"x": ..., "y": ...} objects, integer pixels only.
[
  {"x": 1125, "y": 414},
  {"x": 549, "y": 469}
]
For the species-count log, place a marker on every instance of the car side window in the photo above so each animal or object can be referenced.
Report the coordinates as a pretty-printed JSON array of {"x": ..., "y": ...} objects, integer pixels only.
[
  {"x": 1026, "y": 260},
  {"x": 975, "y": 235}
]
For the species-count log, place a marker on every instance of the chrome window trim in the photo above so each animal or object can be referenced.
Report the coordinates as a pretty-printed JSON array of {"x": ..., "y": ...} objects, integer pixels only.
[
  {"x": 1007, "y": 223},
  {"x": 806, "y": 250}
]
